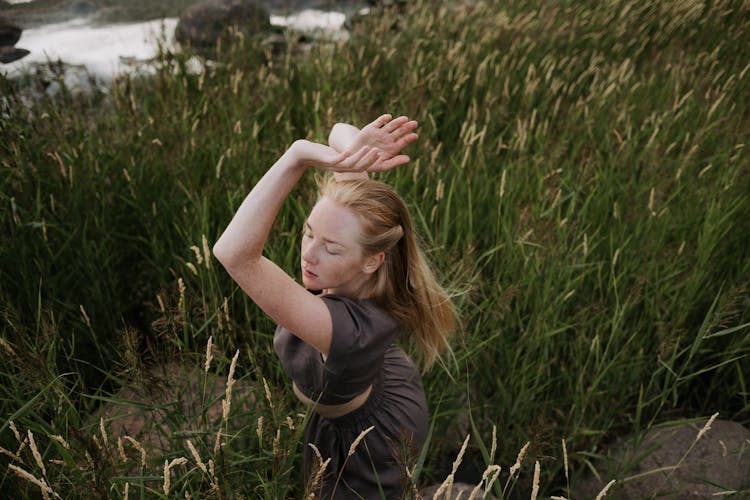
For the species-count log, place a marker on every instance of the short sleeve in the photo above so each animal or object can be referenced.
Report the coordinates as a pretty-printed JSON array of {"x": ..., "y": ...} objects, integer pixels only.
[{"x": 362, "y": 332}]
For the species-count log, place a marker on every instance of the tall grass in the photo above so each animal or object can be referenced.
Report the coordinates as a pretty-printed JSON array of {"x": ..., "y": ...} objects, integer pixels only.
[{"x": 581, "y": 177}]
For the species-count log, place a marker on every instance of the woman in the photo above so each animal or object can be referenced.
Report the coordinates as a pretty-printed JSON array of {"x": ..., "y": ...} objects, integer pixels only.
[{"x": 370, "y": 283}]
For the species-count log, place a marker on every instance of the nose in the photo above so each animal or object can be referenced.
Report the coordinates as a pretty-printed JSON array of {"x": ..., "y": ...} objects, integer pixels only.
[{"x": 308, "y": 252}]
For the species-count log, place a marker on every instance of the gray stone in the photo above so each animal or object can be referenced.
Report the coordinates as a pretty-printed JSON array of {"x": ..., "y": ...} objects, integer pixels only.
[
  {"x": 169, "y": 400},
  {"x": 667, "y": 462},
  {"x": 10, "y": 54},
  {"x": 202, "y": 24},
  {"x": 9, "y": 32}
]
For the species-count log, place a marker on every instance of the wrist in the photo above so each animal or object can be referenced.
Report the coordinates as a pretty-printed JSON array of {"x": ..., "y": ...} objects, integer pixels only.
[{"x": 297, "y": 156}]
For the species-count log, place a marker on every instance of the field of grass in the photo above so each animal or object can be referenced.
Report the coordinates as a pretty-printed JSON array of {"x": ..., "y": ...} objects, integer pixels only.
[{"x": 582, "y": 181}]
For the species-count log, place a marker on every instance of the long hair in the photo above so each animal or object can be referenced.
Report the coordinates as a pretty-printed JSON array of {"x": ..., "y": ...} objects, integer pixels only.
[{"x": 404, "y": 283}]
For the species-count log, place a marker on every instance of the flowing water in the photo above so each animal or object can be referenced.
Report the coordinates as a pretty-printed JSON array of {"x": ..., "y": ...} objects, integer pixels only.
[{"x": 105, "y": 49}]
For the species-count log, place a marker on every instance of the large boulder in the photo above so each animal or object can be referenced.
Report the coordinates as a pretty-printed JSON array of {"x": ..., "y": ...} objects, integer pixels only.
[
  {"x": 668, "y": 462},
  {"x": 203, "y": 23},
  {"x": 168, "y": 401},
  {"x": 10, "y": 54},
  {"x": 9, "y": 35}
]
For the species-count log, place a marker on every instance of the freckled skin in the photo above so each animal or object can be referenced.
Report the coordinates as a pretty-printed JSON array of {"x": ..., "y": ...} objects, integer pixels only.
[{"x": 331, "y": 258}]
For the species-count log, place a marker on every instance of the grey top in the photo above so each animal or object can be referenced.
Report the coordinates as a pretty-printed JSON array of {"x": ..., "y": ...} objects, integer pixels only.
[{"x": 362, "y": 332}]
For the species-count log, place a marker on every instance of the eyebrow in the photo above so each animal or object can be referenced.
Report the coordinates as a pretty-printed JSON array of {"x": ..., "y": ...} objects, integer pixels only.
[{"x": 325, "y": 240}]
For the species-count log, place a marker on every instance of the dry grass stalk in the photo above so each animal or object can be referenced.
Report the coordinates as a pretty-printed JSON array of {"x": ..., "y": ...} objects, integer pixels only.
[
  {"x": 86, "y": 318},
  {"x": 126, "y": 492},
  {"x": 192, "y": 268},
  {"x": 603, "y": 493},
  {"x": 489, "y": 477},
  {"x": 227, "y": 403},
  {"x": 217, "y": 442},
  {"x": 140, "y": 449},
  {"x": 322, "y": 466},
  {"x": 13, "y": 428},
  {"x": 121, "y": 449},
  {"x": 565, "y": 462},
  {"x": 206, "y": 252},
  {"x": 259, "y": 428},
  {"x": 197, "y": 253},
  {"x": 447, "y": 486},
  {"x": 40, "y": 483},
  {"x": 10, "y": 454},
  {"x": 103, "y": 431},
  {"x": 167, "y": 472},
  {"x": 494, "y": 443},
  {"x": 519, "y": 460},
  {"x": 35, "y": 453},
  {"x": 181, "y": 287},
  {"x": 268, "y": 393},
  {"x": 356, "y": 442},
  {"x": 166, "y": 486},
  {"x": 277, "y": 443},
  {"x": 60, "y": 440},
  {"x": 196, "y": 456},
  {"x": 209, "y": 354},
  {"x": 705, "y": 428},
  {"x": 7, "y": 346},
  {"x": 535, "y": 483}
]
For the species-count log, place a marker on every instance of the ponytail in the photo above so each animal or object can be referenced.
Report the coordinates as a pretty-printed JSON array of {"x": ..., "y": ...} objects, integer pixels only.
[{"x": 404, "y": 284}]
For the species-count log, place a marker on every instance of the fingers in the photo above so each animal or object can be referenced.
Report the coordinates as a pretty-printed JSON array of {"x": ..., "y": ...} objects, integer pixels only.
[
  {"x": 384, "y": 165},
  {"x": 381, "y": 120},
  {"x": 394, "y": 124},
  {"x": 360, "y": 161}
]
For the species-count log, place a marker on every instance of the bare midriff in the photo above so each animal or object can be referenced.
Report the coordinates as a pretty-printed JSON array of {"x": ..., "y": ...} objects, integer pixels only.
[{"x": 333, "y": 411}]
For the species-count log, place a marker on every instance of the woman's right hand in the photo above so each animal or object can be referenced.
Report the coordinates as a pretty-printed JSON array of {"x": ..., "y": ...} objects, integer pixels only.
[{"x": 386, "y": 134}]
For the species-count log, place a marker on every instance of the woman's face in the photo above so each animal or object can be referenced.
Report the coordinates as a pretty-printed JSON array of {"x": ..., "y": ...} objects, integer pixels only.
[{"x": 332, "y": 258}]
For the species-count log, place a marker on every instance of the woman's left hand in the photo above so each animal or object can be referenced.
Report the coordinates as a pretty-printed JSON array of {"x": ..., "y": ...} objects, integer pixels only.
[{"x": 365, "y": 159}]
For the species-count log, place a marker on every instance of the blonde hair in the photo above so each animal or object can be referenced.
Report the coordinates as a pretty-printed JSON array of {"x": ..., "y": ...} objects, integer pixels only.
[{"x": 404, "y": 283}]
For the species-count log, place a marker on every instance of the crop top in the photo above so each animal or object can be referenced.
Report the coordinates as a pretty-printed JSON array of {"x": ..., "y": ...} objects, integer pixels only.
[{"x": 362, "y": 332}]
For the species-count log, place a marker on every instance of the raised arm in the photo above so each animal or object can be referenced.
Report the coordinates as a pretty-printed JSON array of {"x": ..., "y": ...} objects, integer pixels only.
[{"x": 240, "y": 247}]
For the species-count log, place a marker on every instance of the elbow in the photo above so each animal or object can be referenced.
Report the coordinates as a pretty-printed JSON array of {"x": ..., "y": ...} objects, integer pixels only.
[
  {"x": 222, "y": 253},
  {"x": 335, "y": 132},
  {"x": 233, "y": 257}
]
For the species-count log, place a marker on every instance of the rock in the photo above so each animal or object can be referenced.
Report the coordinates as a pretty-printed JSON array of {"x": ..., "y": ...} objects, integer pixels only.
[
  {"x": 203, "y": 23},
  {"x": 169, "y": 401},
  {"x": 10, "y": 54},
  {"x": 9, "y": 33},
  {"x": 666, "y": 462},
  {"x": 83, "y": 8}
]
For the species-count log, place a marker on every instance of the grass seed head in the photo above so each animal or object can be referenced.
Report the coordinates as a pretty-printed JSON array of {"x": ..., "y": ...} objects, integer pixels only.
[
  {"x": 196, "y": 456},
  {"x": 535, "y": 483},
  {"x": 209, "y": 354},
  {"x": 35, "y": 453},
  {"x": 140, "y": 449},
  {"x": 603, "y": 493},
  {"x": 356, "y": 442}
]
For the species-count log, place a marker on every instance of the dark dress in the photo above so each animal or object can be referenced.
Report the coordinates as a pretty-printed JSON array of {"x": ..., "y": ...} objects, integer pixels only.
[{"x": 361, "y": 354}]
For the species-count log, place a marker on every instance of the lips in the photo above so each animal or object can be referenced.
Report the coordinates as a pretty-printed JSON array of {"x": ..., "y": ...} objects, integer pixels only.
[{"x": 309, "y": 274}]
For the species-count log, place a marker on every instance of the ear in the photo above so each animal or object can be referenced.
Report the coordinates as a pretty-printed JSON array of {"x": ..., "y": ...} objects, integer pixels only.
[{"x": 373, "y": 262}]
